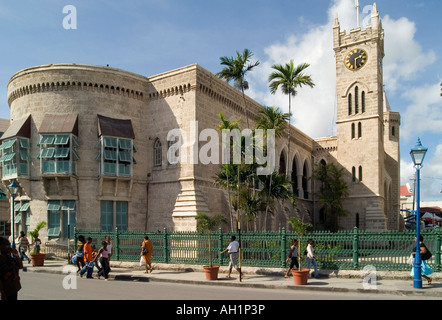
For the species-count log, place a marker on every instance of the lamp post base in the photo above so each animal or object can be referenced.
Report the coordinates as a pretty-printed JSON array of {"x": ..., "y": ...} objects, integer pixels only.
[{"x": 417, "y": 284}]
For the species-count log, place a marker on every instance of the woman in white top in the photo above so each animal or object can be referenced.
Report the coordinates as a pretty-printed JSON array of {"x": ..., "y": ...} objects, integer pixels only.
[{"x": 311, "y": 259}]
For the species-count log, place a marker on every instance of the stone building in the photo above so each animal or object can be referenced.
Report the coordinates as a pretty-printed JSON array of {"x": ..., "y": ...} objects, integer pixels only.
[{"x": 89, "y": 144}]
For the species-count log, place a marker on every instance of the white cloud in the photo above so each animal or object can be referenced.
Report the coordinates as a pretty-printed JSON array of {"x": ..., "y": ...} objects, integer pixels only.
[
  {"x": 424, "y": 114},
  {"x": 404, "y": 57}
]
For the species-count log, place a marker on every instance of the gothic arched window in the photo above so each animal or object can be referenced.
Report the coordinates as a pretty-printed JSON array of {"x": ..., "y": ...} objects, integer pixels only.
[
  {"x": 349, "y": 104},
  {"x": 157, "y": 153},
  {"x": 363, "y": 101},
  {"x": 356, "y": 99}
]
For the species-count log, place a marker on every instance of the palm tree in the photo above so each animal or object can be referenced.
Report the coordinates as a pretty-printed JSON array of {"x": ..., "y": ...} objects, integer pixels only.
[
  {"x": 289, "y": 78},
  {"x": 275, "y": 187},
  {"x": 271, "y": 118},
  {"x": 225, "y": 176},
  {"x": 235, "y": 70}
]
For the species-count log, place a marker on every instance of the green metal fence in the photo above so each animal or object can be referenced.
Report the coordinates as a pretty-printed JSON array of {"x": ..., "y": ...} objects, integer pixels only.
[{"x": 346, "y": 250}]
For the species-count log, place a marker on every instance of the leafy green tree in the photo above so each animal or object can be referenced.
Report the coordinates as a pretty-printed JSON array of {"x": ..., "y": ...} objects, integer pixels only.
[{"x": 333, "y": 189}]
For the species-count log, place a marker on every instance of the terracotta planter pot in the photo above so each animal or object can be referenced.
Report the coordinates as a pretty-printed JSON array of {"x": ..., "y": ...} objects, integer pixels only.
[
  {"x": 300, "y": 277},
  {"x": 38, "y": 259},
  {"x": 211, "y": 272}
]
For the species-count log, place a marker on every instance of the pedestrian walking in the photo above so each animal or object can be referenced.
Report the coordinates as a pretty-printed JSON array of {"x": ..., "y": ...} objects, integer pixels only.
[
  {"x": 23, "y": 246},
  {"x": 233, "y": 251},
  {"x": 109, "y": 248},
  {"x": 95, "y": 257},
  {"x": 293, "y": 256},
  {"x": 425, "y": 255},
  {"x": 147, "y": 253},
  {"x": 88, "y": 260},
  {"x": 79, "y": 253},
  {"x": 103, "y": 253},
  {"x": 311, "y": 258},
  {"x": 10, "y": 263}
]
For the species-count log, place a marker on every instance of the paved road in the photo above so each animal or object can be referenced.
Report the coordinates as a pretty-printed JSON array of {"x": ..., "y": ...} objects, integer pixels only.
[{"x": 45, "y": 286}]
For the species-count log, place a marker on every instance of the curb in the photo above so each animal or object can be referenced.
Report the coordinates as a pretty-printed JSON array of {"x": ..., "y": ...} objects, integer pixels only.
[{"x": 124, "y": 275}]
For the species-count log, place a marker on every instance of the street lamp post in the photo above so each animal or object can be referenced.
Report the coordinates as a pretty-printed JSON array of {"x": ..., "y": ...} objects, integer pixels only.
[
  {"x": 13, "y": 189},
  {"x": 418, "y": 155}
]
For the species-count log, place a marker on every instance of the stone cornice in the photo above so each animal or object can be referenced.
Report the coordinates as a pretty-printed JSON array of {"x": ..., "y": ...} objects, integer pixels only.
[{"x": 69, "y": 84}]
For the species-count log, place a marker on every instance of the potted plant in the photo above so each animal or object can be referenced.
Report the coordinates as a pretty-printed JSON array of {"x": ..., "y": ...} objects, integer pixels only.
[
  {"x": 37, "y": 258},
  {"x": 300, "y": 276},
  {"x": 208, "y": 224}
]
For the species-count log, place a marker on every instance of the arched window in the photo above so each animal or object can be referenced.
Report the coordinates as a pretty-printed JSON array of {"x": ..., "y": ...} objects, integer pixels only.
[
  {"x": 295, "y": 178},
  {"x": 359, "y": 130},
  {"x": 282, "y": 165},
  {"x": 356, "y": 99},
  {"x": 363, "y": 101},
  {"x": 360, "y": 173},
  {"x": 349, "y": 104},
  {"x": 304, "y": 181},
  {"x": 353, "y": 174},
  {"x": 393, "y": 131},
  {"x": 157, "y": 153},
  {"x": 353, "y": 130}
]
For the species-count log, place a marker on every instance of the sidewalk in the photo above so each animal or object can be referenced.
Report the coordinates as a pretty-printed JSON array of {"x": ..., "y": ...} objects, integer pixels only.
[{"x": 399, "y": 283}]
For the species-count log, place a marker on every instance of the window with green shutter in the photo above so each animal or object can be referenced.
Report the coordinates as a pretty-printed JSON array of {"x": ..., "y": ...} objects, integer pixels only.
[
  {"x": 14, "y": 157},
  {"x": 107, "y": 215},
  {"x": 54, "y": 218},
  {"x": 58, "y": 153},
  {"x": 115, "y": 156}
]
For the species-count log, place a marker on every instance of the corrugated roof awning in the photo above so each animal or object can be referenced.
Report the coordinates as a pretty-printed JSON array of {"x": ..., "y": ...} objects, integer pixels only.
[
  {"x": 59, "y": 123},
  {"x": 18, "y": 128},
  {"x": 115, "y": 127}
]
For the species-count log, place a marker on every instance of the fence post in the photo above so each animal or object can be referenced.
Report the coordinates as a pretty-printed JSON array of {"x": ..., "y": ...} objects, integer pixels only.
[
  {"x": 117, "y": 244},
  {"x": 165, "y": 246},
  {"x": 283, "y": 241},
  {"x": 437, "y": 252},
  {"x": 220, "y": 246},
  {"x": 355, "y": 248}
]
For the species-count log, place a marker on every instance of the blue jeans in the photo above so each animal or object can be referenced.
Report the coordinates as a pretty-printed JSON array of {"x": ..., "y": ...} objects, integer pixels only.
[
  {"x": 23, "y": 255},
  {"x": 309, "y": 263},
  {"x": 89, "y": 267}
]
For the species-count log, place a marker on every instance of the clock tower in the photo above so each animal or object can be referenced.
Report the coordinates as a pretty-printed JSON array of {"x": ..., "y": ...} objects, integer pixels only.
[{"x": 367, "y": 130}]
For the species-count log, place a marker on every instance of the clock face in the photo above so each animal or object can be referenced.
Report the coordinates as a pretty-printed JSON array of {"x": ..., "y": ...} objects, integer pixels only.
[{"x": 356, "y": 59}]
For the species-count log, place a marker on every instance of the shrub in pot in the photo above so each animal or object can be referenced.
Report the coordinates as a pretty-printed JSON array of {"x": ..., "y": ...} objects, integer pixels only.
[
  {"x": 37, "y": 258},
  {"x": 206, "y": 224},
  {"x": 300, "y": 276}
]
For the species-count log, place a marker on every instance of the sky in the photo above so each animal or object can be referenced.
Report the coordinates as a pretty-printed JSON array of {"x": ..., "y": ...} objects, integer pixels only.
[{"x": 149, "y": 37}]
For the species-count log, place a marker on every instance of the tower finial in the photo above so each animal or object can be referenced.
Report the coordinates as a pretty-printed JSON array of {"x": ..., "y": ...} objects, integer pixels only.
[{"x": 357, "y": 13}]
